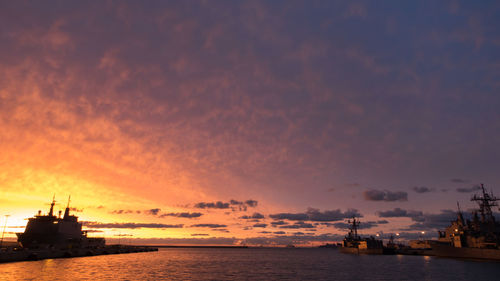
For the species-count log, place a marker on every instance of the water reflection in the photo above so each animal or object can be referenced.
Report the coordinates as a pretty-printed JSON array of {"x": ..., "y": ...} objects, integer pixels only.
[{"x": 249, "y": 264}]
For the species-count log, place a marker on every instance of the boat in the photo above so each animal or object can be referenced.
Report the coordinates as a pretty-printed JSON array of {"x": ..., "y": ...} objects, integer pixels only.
[
  {"x": 50, "y": 231},
  {"x": 478, "y": 238},
  {"x": 49, "y": 237},
  {"x": 354, "y": 244}
]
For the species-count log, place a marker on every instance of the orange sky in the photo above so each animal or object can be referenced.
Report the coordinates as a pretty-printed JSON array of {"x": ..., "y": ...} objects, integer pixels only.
[{"x": 146, "y": 115}]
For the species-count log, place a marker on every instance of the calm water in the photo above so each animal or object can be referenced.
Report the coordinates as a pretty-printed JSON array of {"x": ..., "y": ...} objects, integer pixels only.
[{"x": 250, "y": 264}]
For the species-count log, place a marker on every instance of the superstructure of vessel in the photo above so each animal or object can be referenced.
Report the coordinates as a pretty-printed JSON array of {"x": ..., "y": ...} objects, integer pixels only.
[
  {"x": 50, "y": 231},
  {"x": 354, "y": 244},
  {"x": 477, "y": 238}
]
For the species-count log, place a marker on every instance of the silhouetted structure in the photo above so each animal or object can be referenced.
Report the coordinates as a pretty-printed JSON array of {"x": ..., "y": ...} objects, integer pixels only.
[
  {"x": 476, "y": 238},
  {"x": 354, "y": 244},
  {"x": 59, "y": 232}
]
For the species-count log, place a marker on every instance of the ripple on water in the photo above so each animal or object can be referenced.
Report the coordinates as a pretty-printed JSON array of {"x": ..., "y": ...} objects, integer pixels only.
[{"x": 249, "y": 264}]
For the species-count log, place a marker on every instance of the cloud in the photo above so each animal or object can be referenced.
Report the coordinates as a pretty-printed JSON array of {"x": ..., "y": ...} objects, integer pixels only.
[
  {"x": 362, "y": 225},
  {"x": 209, "y": 225},
  {"x": 263, "y": 225},
  {"x": 316, "y": 215},
  {"x": 398, "y": 212},
  {"x": 253, "y": 216},
  {"x": 433, "y": 221},
  {"x": 422, "y": 189},
  {"x": 199, "y": 234},
  {"x": 119, "y": 212},
  {"x": 299, "y": 224},
  {"x": 277, "y": 223},
  {"x": 182, "y": 215},
  {"x": 468, "y": 189},
  {"x": 289, "y": 216},
  {"x": 130, "y": 225},
  {"x": 251, "y": 203},
  {"x": 153, "y": 212},
  {"x": 279, "y": 232},
  {"x": 212, "y": 205},
  {"x": 242, "y": 206},
  {"x": 385, "y": 195}
]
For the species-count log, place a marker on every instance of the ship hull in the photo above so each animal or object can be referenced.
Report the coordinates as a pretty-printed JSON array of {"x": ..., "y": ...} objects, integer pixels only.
[
  {"x": 357, "y": 251},
  {"x": 466, "y": 253}
]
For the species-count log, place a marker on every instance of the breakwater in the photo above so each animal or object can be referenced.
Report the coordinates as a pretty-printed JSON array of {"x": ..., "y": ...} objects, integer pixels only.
[{"x": 13, "y": 255}]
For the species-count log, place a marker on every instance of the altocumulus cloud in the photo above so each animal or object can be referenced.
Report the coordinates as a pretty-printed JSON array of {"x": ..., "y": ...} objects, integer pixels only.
[
  {"x": 385, "y": 195},
  {"x": 242, "y": 205},
  {"x": 422, "y": 189},
  {"x": 182, "y": 215},
  {"x": 468, "y": 189},
  {"x": 316, "y": 215},
  {"x": 209, "y": 225},
  {"x": 253, "y": 216},
  {"x": 130, "y": 225},
  {"x": 398, "y": 213}
]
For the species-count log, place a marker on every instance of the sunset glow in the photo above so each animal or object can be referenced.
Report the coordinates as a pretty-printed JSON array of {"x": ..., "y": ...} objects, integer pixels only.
[{"x": 247, "y": 123}]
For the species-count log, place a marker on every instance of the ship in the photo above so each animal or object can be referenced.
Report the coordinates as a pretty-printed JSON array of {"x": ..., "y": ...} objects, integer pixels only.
[
  {"x": 61, "y": 232},
  {"x": 478, "y": 238},
  {"x": 354, "y": 244}
]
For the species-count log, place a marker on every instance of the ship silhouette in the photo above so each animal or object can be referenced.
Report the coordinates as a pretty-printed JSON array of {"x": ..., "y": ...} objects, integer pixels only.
[
  {"x": 478, "y": 238},
  {"x": 50, "y": 231}
]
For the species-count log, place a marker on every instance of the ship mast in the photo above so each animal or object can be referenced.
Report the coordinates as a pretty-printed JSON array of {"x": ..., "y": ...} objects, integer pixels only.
[
  {"x": 354, "y": 227},
  {"x": 66, "y": 212},
  {"x": 51, "y": 212},
  {"x": 485, "y": 203}
]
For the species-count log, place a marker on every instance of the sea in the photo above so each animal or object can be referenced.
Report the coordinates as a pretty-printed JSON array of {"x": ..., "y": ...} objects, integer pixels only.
[{"x": 250, "y": 264}]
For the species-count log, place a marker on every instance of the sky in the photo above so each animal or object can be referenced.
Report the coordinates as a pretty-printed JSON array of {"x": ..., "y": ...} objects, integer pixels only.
[{"x": 248, "y": 122}]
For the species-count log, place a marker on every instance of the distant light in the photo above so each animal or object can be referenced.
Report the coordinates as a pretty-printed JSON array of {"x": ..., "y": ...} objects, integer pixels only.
[
  {"x": 397, "y": 234},
  {"x": 456, "y": 229},
  {"x": 423, "y": 232},
  {"x": 378, "y": 235}
]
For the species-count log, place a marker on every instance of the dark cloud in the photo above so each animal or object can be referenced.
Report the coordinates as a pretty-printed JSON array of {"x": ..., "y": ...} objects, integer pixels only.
[
  {"x": 422, "y": 189},
  {"x": 199, "y": 234},
  {"x": 265, "y": 232},
  {"x": 299, "y": 224},
  {"x": 433, "y": 221},
  {"x": 182, "y": 215},
  {"x": 210, "y": 225},
  {"x": 362, "y": 225},
  {"x": 233, "y": 204},
  {"x": 385, "y": 195},
  {"x": 459, "y": 181},
  {"x": 153, "y": 212},
  {"x": 221, "y": 230},
  {"x": 119, "y": 212},
  {"x": 130, "y": 225},
  {"x": 212, "y": 205},
  {"x": 468, "y": 189},
  {"x": 398, "y": 212},
  {"x": 251, "y": 203},
  {"x": 277, "y": 223},
  {"x": 253, "y": 216},
  {"x": 262, "y": 225},
  {"x": 316, "y": 215},
  {"x": 332, "y": 215},
  {"x": 279, "y": 232},
  {"x": 289, "y": 216}
]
